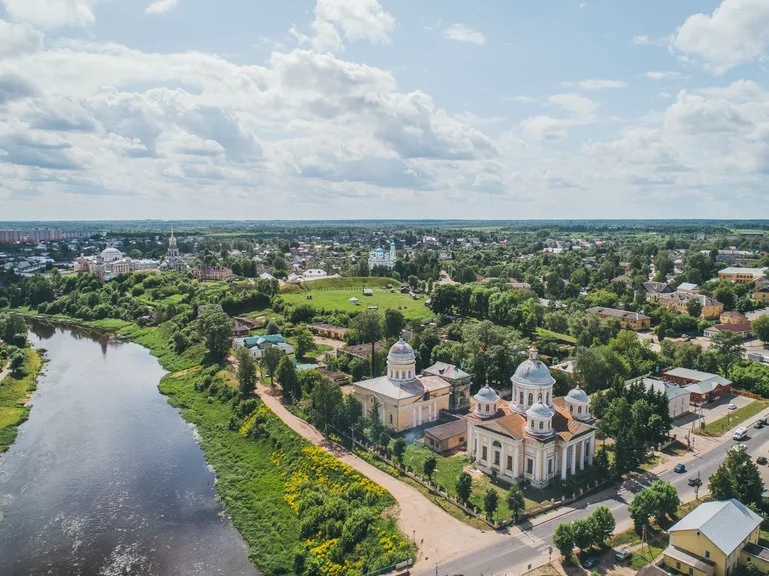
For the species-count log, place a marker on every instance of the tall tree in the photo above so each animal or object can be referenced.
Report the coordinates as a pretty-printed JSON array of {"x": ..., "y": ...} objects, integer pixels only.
[
  {"x": 271, "y": 358},
  {"x": 369, "y": 327},
  {"x": 304, "y": 342},
  {"x": 325, "y": 402},
  {"x": 393, "y": 323},
  {"x": 563, "y": 538},
  {"x": 246, "y": 371},
  {"x": 728, "y": 349},
  {"x": 490, "y": 503},
  {"x": 516, "y": 503},
  {"x": 216, "y": 326},
  {"x": 428, "y": 467},
  {"x": 737, "y": 477},
  {"x": 603, "y": 525},
  {"x": 694, "y": 308},
  {"x": 399, "y": 449},
  {"x": 464, "y": 487},
  {"x": 288, "y": 379},
  {"x": 760, "y": 327}
]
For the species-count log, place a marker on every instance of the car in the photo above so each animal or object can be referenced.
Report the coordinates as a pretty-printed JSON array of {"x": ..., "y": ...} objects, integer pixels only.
[
  {"x": 761, "y": 460},
  {"x": 694, "y": 481},
  {"x": 740, "y": 434},
  {"x": 759, "y": 424},
  {"x": 623, "y": 555},
  {"x": 679, "y": 468},
  {"x": 591, "y": 560},
  {"x": 732, "y": 406}
]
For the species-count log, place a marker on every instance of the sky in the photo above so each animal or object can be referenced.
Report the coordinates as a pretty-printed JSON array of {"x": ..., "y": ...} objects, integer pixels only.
[{"x": 405, "y": 109}]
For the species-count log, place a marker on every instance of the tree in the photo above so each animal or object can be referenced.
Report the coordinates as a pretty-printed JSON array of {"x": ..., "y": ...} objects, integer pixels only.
[
  {"x": 270, "y": 359},
  {"x": 515, "y": 501},
  {"x": 13, "y": 329},
  {"x": 429, "y": 467},
  {"x": 658, "y": 499},
  {"x": 325, "y": 402},
  {"x": 737, "y": 477},
  {"x": 760, "y": 327},
  {"x": 563, "y": 538},
  {"x": 288, "y": 379},
  {"x": 272, "y": 327},
  {"x": 393, "y": 323},
  {"x": 464, "y": 487},
  {"x": 399, "y": 449},
  {"x": 583, "y": 533},
  {"x": 602, "y": 525},
  {"x": 641, "y": 509},
  {"x": 490, "y": 503},
  {"x": 369, "y": 328},
  {"x": 246, "y": 371},
  {"x": 728, "y": 349},
  {"x": 16, "y": 357},
  {"x": 216, "y": 327},
  {"x": 304, "y": 342},
  {"x": 694, "y": 308}
]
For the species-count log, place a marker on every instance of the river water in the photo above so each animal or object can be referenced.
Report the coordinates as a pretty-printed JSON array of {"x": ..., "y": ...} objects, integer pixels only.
[{"x": 105, "y": 478}]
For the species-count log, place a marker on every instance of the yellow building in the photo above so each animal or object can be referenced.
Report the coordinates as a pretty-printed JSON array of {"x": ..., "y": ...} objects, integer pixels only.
[
  {"x": 632, "y": 320},
  {"x": 714, "y": 539},
  {"x": 403, "y": 399},
  {"x": 741, "y": 275},
  {"x": 761, "y": 294},
  {"x": 678, "y": 302}
]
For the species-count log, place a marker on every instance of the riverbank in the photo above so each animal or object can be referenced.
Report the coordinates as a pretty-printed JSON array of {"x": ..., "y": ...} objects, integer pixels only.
[{"x": 15, "y": 389}]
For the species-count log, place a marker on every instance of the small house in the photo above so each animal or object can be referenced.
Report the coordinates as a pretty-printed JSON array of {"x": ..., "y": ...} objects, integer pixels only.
[{"x": 447, "y": 437}]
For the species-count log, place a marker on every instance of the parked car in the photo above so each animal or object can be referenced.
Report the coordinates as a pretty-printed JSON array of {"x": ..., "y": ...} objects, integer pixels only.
[
  {"x": 623, "y": 555},
  {"x": 732, "y": 406},
  {"x": 679, "y": 468},
  {"x": 740, "y": 434},
  {"x": 761, "y": 460},
  {"x": 591, "y": 560},
  {"x": 759, "y": 424},
  {"x": 694, "y": 481}
]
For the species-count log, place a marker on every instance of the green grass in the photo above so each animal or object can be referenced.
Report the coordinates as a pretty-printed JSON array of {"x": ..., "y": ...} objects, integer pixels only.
[
  {"x": 157, "y": 339},
  {"x": 718, "y": 427},
  {"x": 14, "y": 391},
  {"x": 263, "y": 471},
  {"x": 542, "y": 332},
  {"x": 338, "y": 299},
  {"x": 352, "y": 282}
]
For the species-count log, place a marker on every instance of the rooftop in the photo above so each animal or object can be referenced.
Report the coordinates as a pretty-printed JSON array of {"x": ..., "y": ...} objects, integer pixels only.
[
  {"x": 447, "y": 430},
  {"x": 740, "y": 270},
  {"x": 447, "y": 371},
  {"x": 624, "y": 314},
  {"x": 726, "y": 524},
  {"x": 416, "y": 388},
  {"x": 689, "y": 374}
]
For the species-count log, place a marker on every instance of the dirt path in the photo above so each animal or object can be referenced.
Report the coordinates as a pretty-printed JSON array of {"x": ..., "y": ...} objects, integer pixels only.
[{"x": 444, "y": 536}]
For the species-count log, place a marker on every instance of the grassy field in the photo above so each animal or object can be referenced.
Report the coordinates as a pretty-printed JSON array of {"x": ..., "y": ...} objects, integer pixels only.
[
  {"x": 14, "y": 391},
  {"x": 338, "y": 299},
  {"x": 542, "y": 332},
  {"x": 359, "y": 282},
  {"x": 718, "y": 427}
]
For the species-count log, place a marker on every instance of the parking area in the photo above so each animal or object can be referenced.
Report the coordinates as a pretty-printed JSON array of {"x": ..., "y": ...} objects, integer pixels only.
[{"x": 720, "y": 408}]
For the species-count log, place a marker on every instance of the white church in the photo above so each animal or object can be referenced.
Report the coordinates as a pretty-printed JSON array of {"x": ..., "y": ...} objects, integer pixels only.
[
  {"x": 379, "y": 257},
  {"x": 536, "y": 436}
]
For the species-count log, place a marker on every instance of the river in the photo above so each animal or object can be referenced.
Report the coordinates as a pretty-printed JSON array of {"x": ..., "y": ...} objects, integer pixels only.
[{"x": 105, "y": 478}]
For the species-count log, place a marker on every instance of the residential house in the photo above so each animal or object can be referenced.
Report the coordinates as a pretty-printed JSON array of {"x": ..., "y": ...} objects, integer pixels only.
[
  {"x": 761, "y": 292},
  {"x": 328, "y": 330},
  {"x": 239, "y": 329},
  {"x": 213, "y": 273},
  {"x": 678, "y": 397},
  {"x": 632, "y": 320},
  {"x": 702, "y": 386},
  {"x": 732, "y": 317},
  {"x": 447, "y": 437},
  {"x": 459, "y": 380},
  {"x": 714, "y": 539},
  {"x": 740, "y": 275},
  {"x": 743, "y": 329},
  {"x": 258, "y": 344},
  {"x": 314, "y": 273},
  {"x": 689, "y": 287},
  {"x": 679, "y": 301},
  {"x": 657, "y": 288}
]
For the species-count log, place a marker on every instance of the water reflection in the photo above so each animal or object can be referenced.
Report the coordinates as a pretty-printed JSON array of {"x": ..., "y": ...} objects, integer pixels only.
[{"x": 105, "y": 478}]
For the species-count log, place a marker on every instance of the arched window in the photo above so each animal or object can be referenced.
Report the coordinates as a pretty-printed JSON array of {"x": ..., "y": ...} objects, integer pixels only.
[
  {"x": 391, "y": 418},
  {"x": 547, "y": 398},
  {"x": 532, "y": 424},
  {"x": 521, "y": 402},
  {"x": 487, "y": 408},
  {"x": 541, "y": 425},
  {"x": 531, "y": 398},
  {"x": 571, "y": 408},
  {"x": 579, "y": 409}
]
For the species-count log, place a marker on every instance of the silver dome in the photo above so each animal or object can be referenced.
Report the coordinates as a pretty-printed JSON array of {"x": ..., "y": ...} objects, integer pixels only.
[
  {"x": 533, "y": 371},
  {"x": 401, "y": 351},
  {"x": 578, "y": 395},
  {"x": 539, "y": 410},
  {"x": 486, "y": 394}
]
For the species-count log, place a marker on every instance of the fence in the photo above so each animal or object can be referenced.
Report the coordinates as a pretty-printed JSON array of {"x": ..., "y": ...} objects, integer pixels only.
[{"x": 747, "y": 394}]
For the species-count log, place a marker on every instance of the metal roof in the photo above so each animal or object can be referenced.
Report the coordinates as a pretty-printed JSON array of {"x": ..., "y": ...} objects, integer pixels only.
[{"x": 726, "y": 524}]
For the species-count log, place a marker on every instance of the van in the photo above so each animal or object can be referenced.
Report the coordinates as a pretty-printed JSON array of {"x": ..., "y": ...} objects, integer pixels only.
[{"x": 740, "y": 434}]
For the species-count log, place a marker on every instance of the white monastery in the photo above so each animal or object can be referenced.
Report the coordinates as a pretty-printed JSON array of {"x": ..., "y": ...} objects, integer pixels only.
[
  {"x": 379, "y": 257},
  {"x": 536, "y": 436}
]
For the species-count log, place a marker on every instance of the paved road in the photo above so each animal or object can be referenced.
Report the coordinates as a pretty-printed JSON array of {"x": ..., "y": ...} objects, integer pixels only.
[{"x": 512, "y": 555}]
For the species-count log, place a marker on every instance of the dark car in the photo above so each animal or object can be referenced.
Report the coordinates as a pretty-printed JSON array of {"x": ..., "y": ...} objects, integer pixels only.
[
  {"x": 679, "y": 468},
  {"x": 759, "y": 424},
  {"x": 761, "y": 460},
  {"x": 591, "y": 560},
  {"x": 694, "y": 481}
]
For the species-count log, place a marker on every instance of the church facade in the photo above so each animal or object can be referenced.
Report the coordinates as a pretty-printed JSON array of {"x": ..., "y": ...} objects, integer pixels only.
[
  {"x": 173, "y": 261},
  {"x": 379, "y": 257},
  {"x": 535, "y": 436}
]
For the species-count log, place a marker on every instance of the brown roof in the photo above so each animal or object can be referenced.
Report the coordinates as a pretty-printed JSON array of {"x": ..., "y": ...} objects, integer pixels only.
[
  {"x": 624, "y": 314},
  {"x": 363, "y": 350},
  {"x": 741, "y": 327},
  {"x": 448, "y": 430}
]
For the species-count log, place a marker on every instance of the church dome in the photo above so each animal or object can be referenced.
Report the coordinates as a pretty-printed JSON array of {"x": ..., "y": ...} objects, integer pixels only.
[
  {"x": 578, "y": 395},
  {"x": 401, "y": 351},
  {"x": 539, "y": 410},
  {"x": 486, "y": 394},
  {"x": 533, "y": 371},
  {"x": 111, "y": 254}
]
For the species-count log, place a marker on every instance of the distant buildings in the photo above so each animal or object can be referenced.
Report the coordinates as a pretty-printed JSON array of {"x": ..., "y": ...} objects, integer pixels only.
[
  {"x": 212, "y": 272},
  {"x": 632, "y": 320},
  {"x": 741, "y": 275},
  {"x": 39, "y": 235},
  {"x": 379, "y": 257},
  {"x": 173, "y": 261},
  {"x": 678, "y": 301}
]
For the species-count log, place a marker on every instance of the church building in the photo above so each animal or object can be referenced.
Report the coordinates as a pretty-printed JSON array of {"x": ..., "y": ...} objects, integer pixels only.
[
  {"x": 379, "y": 257},
  {"x": 535, "y": 436},
  {"x": 173, "y": 261},
  {"x": 405, "y": 400}
]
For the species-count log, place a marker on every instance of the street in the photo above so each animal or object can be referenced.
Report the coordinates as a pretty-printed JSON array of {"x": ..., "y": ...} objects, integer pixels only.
[{"x": 531, "y": 543}]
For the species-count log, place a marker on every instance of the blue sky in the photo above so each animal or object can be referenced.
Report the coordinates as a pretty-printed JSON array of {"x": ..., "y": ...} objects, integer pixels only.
[{"x": 383, "y": 109}]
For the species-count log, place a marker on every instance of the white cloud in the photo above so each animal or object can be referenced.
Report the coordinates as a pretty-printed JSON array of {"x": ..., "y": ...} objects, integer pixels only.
[
  {"x": 18, "y": 39},
  {"x": 662, "y": 75},
  {"x": 596, "y": 84},
  {"x": 51, "y": 14},
  {"x": 462, "y": 33},
  {"x": 574, "y": 103},
  {"x": 544, "y": 128},
  {"x": 161, "y": 6},
  {"x": 735, "y": 33},
  {"x": 351, "y": 19},
  {"x": 641, "y": 40}
]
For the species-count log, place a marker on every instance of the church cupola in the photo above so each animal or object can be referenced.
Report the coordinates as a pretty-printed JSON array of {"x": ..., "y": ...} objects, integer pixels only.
[
  {"x": 532, "y": 380},
  {"x": 486, "y": 402},
  {"x": 578, "y": 404},
  {"x": 539, "y": 419},
  {"x": 401, "y": 362}
]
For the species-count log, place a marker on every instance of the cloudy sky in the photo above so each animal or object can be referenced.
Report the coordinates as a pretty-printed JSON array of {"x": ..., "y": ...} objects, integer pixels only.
[{"x": 256, "y": 109}]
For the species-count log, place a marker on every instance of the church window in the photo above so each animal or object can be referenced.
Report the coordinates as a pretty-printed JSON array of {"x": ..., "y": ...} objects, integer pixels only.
[
  {"x": 549, "y": 465},
  {"x": 487, "y": 408},
  {"x": 579, "y": 409},
  {"x": 531, "y": 398},
  {"x": 496, "y": 457},
  {"x": 571, "y": 409},
  {"x": 484, "y": 453},
  {"x": 521, "y": 402},
  {"x": 509, "y": 462},
  {"x": 547, "y": 398},
  {"x": 529, "y": 465},
  {"x": 391, "y": 418},
  {"x": 532, "y": 424},
  {"x": 541, "y": 425}
]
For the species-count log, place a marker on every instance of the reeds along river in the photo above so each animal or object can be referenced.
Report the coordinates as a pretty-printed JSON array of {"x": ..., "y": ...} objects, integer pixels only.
[{"x": 105, "y": 478}]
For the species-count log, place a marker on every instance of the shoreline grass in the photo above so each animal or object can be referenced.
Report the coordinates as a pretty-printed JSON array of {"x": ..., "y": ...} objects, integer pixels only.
[{"x": 14, "y": 391}]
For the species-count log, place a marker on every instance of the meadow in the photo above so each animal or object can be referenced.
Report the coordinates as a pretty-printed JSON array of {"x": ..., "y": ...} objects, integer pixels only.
[{"x": 14, "y": 390}]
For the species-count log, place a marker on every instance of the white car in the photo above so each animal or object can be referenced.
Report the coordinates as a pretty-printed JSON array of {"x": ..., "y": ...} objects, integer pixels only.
[
  {"x": 740, "y": 434},
  {"x": 732, "y": 406}
]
